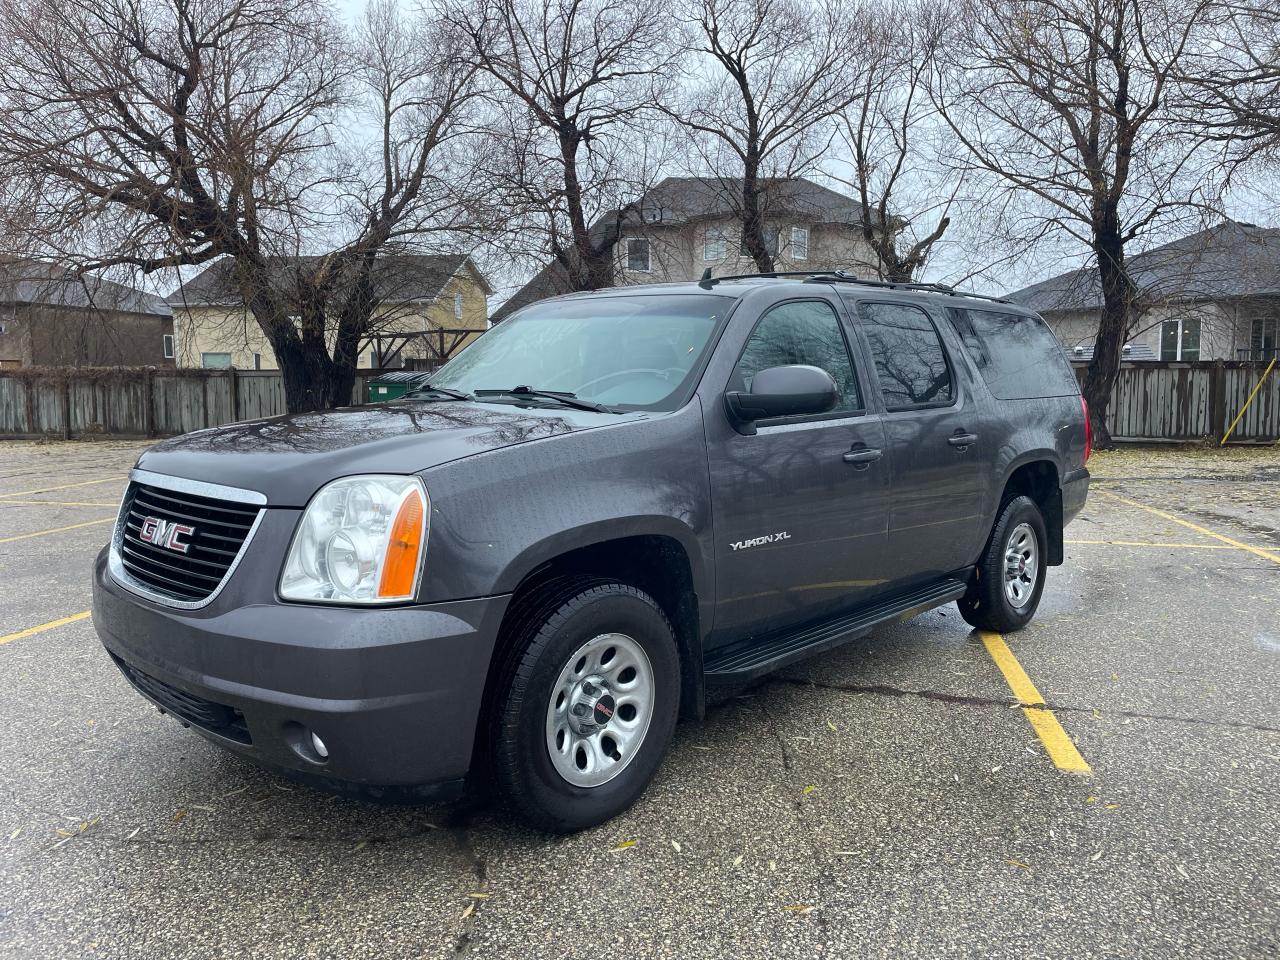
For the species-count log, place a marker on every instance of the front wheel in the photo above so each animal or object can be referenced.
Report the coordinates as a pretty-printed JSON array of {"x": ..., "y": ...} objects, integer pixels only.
[
  {"x": 586, "y": 707},
  {"x": 1009, "y": 576}
]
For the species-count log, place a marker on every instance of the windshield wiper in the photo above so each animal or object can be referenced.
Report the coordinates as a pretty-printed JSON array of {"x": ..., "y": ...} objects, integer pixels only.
[
  {"x": 559, "y": 396},
  {"x": 426, "y": 389}
]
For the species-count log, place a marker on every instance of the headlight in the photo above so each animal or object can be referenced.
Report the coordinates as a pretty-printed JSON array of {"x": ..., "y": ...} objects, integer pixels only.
[{"x": 361, "y": 540}]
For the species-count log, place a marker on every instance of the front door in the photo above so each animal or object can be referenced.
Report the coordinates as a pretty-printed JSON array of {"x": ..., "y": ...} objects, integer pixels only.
[
  {"x": 800, "y": 507},
  {"x": 933, "y": 427}
]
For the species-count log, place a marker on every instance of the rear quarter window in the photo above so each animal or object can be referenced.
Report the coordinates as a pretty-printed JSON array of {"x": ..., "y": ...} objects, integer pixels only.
[{"x": 1017, "y": 355}]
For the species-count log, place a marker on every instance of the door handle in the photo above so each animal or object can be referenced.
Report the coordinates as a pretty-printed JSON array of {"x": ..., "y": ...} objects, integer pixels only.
[
  {"x": 863, "y": 456},
  {"x": 962, "y": 439}
]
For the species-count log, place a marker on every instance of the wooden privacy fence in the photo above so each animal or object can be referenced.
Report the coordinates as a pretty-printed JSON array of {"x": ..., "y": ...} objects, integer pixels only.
[
  {"x": 136, "y": 402},
  {"x": 1151, "y": 401},
  {"x": 1193, "y": 401}
]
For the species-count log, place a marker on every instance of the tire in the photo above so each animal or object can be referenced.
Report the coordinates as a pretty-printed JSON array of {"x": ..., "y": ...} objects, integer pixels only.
[
  {"x": 1003, "y": 598},
  {"x": 564, "y": 687}
]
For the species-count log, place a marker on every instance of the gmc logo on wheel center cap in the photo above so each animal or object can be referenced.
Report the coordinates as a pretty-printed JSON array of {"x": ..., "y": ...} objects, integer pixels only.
[{"x": 165, "y": 533}]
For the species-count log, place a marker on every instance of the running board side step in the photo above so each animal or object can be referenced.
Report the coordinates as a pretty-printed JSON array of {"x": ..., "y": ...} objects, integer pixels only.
[{"x": 745, "y": 660}]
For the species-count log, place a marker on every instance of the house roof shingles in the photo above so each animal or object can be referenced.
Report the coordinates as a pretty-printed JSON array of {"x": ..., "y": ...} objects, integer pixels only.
[
  {"x": 33, "y": 281},
  {"x": 401, "y": 278},
  {"x": 1226, "y": 261}
]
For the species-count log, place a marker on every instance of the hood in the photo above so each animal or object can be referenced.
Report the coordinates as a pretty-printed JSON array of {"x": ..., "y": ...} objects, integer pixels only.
[{"x": 289, "y": 458}]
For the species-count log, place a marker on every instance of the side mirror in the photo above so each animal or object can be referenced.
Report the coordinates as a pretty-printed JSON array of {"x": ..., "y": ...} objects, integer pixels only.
[{"x": 789, "y": 391}]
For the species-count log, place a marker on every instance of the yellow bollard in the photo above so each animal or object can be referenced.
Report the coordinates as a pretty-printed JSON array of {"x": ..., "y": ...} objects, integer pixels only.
[{"x": 1261, "y": 381}]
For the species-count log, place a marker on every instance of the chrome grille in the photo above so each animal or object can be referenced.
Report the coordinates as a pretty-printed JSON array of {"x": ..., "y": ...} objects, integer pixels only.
[{"x": 188, "y": 568}]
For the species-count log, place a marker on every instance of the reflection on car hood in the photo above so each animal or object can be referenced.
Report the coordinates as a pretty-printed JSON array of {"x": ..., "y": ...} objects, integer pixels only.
[{"x": 289, "y": 458}]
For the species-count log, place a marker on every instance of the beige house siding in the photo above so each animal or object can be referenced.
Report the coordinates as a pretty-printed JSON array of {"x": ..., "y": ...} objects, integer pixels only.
[
  {"x": 676, "y": 253},
  {"x": 1221, "y": 333},
  {"x": 201, "y": 330}
]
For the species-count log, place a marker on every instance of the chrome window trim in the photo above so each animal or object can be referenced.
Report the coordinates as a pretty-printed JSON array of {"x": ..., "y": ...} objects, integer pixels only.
[{"x": 199, "y": 488}]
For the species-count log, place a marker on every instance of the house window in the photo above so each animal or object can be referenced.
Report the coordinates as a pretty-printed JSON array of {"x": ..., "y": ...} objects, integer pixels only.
[
  {"x": 167, "y": 340},
  {"x": 457, "y": 306},
  {"x": 714, "y": 245},
  {"x": 638, "y": 255},
  {"x": 1180, "y": 339},
  {"x": 799, "y": 243},
  {"x": 1264, "y": 338},
  {"x": 257, "y": 361},
  {"x": 215, "y": 361}
]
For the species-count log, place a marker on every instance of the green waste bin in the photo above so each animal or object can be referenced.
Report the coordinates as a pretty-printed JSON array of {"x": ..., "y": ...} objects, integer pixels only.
[{"x": 393, "y": 385}]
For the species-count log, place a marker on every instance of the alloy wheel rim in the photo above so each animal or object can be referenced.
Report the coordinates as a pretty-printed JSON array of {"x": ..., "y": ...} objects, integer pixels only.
[
  {"x": 1021, "y": 565},
  {"x": 599, "y": 710}
]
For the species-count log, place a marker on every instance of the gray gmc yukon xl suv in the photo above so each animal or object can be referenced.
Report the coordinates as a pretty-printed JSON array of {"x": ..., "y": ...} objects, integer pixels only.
[{"x": 602, "y": 508}]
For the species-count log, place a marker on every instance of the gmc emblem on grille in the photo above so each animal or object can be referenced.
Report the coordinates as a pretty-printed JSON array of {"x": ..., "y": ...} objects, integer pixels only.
[{"x": 165, "y": 533}]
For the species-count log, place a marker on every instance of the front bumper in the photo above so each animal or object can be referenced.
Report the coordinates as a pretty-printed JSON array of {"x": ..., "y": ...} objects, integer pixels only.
[{"x": 394, "y": 693}]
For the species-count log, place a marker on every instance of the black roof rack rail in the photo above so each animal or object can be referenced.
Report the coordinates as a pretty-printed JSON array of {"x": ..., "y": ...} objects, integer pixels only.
[{"x": 839, "y": 276}]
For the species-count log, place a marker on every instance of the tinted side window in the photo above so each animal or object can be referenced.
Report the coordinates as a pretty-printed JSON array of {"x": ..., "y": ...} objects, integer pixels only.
[
  {"x": 1018, "y": 356},
  {"x": 910, "y": 362},
  {"x": 804, "y": 332}
]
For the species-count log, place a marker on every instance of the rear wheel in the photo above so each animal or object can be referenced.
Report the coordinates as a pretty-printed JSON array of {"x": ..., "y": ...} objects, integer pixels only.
[
  {"x": 585, "y": 707},
  {"x": 1009, "y": 577}
]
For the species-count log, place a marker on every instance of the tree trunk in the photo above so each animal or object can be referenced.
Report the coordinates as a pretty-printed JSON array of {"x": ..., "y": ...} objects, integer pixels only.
[
  {"x": 1117, "y": 297},
  {"x": 753, "y": 217}
]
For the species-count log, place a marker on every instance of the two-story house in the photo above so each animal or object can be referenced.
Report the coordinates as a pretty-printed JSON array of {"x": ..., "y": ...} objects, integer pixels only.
[
  {"x": 684, "y": 225},
  {"x": 428, "y": 306}
]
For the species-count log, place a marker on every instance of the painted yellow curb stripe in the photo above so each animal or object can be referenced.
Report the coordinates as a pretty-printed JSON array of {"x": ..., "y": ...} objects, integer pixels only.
[
  {"x": 45, "y": 533},
  {"x": 1060, "y": 747},
  {"x": 65, "y": 486},
  {"x": 1258, "y": 551},
  {"x": 32, "y": 631}
]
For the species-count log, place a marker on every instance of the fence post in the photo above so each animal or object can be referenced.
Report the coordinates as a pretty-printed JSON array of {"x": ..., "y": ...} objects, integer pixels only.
[
  {"x": 149, "y": 402},
  {"x": 233, "y": 391},
  {"x": 66, "y": 406},
  {"x": 1217, "y": 398},
  {"x": 30, "y": 389}
]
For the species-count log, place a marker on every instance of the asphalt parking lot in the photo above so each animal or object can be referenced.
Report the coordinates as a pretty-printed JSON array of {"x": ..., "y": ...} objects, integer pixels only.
[{"x": 892, "y": 798}]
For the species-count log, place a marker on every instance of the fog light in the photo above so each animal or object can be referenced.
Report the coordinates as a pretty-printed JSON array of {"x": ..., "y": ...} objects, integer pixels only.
[{"x": 318, "y": 745}]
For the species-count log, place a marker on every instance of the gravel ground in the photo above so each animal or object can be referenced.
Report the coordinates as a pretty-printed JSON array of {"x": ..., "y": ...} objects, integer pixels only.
[{"x": 886, "y": 799}]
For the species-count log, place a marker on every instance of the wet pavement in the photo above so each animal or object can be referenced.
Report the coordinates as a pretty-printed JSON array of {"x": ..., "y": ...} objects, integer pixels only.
[{"x": 890, "y": 798}]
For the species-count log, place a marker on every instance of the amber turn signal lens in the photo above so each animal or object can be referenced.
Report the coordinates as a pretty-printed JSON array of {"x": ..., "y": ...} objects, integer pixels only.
[{"x": 400, "y": 566}]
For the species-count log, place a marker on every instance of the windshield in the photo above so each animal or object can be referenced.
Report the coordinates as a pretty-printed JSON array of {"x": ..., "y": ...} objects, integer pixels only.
[{"x": 625, "y": 351}]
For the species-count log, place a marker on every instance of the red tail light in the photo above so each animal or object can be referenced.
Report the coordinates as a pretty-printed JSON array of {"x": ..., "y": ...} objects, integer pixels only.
[{"x": 1088, "y": 430}]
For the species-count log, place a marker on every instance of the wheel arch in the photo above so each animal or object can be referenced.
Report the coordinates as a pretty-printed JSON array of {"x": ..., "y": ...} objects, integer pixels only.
[{"x": 1037, "y": 475}]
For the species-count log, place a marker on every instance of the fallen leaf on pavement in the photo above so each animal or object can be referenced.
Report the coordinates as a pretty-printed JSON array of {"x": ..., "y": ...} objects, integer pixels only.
[
  {"x": 625, "y": 845},
  {"x": 675, "y": 846},
  {"x": 470, "y": 909},
  {"x": 478, "y": 896},
  {"x": 798, "y": 908},
  {"x": 1017, "y": 863},
  {"x": 809, "y": 789}
]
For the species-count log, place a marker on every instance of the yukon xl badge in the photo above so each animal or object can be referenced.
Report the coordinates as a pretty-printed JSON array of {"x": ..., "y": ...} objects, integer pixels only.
[{"x": 757, "y": 541}]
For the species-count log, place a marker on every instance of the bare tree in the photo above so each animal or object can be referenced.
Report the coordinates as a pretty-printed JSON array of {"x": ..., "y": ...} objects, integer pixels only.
[
  {"x": 161, "y": 134},
  {"x": 887, "y": 132},
  {"x": 570, "y": 139},
  {"x": 769, "y": 77},
  {"x": 1234, "y": 88},
  {"x": 1065, "y": 104}
]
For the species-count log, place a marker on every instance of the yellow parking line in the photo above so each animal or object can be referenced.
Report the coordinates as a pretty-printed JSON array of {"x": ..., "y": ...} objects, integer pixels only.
[
  {"x": 32, "y": 631},
  {"x": 1060, "y": 747},
  {"x": 68, "y": 503},
  {"x": 45, "y": 533},
  {"x": 65, "y": 486},
  {"x": 1265, "y": 554},
  {"x": 1147, "y": 543}
]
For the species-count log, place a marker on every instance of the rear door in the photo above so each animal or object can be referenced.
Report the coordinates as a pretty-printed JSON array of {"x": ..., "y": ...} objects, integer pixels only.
[
  {"x": 941, "y": 460},
  {"x": 801, "y": 506}
]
